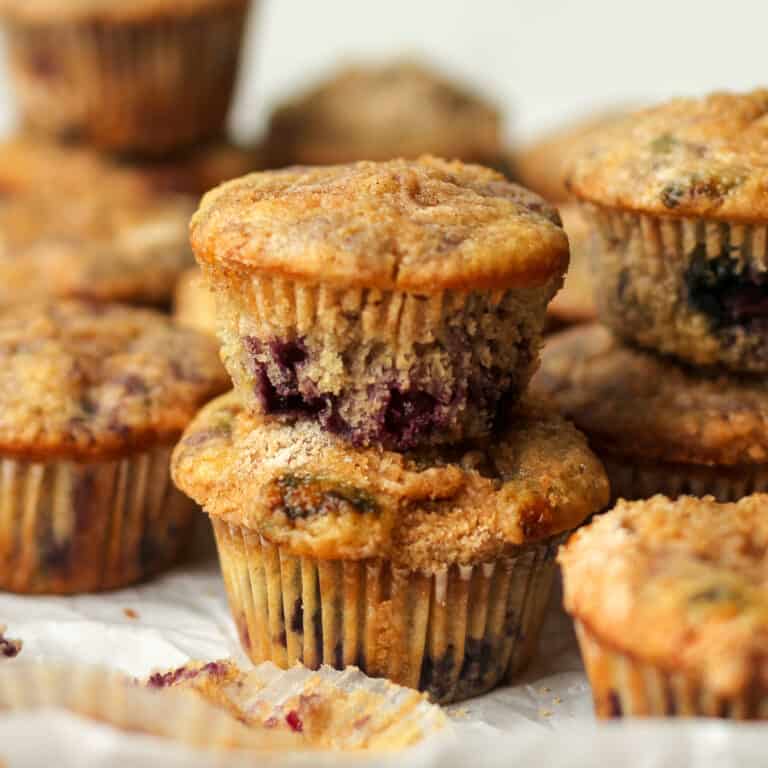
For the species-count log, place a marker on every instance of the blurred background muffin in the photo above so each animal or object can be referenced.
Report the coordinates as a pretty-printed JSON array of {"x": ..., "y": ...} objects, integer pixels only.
[
  {"x": 399, "y": 108},
  {"x": 138, "y": 76}
]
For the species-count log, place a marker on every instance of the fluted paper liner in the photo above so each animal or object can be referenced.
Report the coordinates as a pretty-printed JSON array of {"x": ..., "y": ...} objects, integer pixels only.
[
  {"x": 651, "y": 254},
  {"x": 623, "y": 686},
  {"x": 632, "y": 480},
  {"x": 147, "y": 87},
  {"x": 69, "y": 527},
  {"x": 454, "y": 634},
  {"x": 358, "y": 712}
]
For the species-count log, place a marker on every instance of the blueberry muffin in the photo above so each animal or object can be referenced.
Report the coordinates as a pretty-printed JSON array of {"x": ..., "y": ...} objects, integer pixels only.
[
  {"x": 398, "y": 303},
  {"x": 194, "y": 305},
  {"x": 142, "y": 76},
  {"x": 73, "y": 225},
  {"x": 431, "y": 568},
  {"x": 668, "y": 600},
  {"x": 676, "y": 195},
  {"x": 92, "y": 399},
  {"x": 383, "y": 111},
  {"x": 575, "y": 303},
  {"x": 658, "y": 426}
]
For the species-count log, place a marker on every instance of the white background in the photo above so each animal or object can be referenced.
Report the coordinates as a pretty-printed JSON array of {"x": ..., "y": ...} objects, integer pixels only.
[{"x": 542, "y": 60}]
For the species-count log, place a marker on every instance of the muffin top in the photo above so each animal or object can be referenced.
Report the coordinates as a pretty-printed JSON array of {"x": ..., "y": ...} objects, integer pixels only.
[
  {"x": 82, "y": 380},
  {"x": 414, "y": 225},
  {"x": 681, "y": 584},
  {"x": 379, "y": 112},
  {"x": 689, "y": 157},
  {"x": 310, "y": 491},
  {"x": 73, "y": 225},
  {"x": 575, "y": 302},
  {"x": 51, "y": 11},
  {"x": 635, "y": 404}
]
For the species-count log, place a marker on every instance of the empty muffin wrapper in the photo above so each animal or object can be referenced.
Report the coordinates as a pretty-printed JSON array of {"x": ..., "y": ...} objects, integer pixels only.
[{"x": 264, "y": 709}]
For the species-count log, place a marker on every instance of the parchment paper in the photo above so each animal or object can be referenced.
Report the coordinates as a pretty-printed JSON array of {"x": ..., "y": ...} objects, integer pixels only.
[{"x": 543, "y": 720}]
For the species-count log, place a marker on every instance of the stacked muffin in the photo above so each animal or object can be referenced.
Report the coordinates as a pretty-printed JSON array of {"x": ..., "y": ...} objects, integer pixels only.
[
  {"x": 382, "y": 493},
  {"x": 674, "y": 398}
]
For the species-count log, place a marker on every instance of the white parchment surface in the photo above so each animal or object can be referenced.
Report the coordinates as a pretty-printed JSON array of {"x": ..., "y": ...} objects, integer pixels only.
[{"x": 544, "y": 720}]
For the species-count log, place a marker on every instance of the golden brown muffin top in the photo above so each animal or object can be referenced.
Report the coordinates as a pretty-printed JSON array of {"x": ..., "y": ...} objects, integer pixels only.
[
  {"x": 634, "y": 404},
  {"x": 681, "y": 584},
  {"x": 73, "y": 225},
  {"x": 421, "y": 226},
  {"x": 313, "y": 493},
  {"x": 575, "y": 302},
  {"x": 379, "y": 112},
  {"x": 52, "y": 11},
  {"x": 80, "y": 380},
  {"x": 689, "y": 157}
]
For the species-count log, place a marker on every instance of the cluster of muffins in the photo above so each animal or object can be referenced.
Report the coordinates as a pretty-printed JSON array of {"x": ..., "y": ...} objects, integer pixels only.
[
  {"x": 383, "y": 492},
  {"x": 97, "y": 192},
  {"x": 667, "y": 591}
]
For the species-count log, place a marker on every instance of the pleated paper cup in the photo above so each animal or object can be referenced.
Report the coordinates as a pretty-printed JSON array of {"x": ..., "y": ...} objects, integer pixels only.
[
  {"x": 68, "y": 527},
  {"x": 140, "y": 86},
  {"x": 453, "y": 634},
  {"x": 641, "y": 480},
  {"x": 260, "y": 710},
  {"x": 624, "y": 686}
]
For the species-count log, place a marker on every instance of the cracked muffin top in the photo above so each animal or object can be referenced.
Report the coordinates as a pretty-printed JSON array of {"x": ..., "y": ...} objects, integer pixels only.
[
  {"x": 680, "y": 584},
  {"x": 689, "y": 157},
  {"x": 82, "y": 380},
  {"x": 422, "y": 226},
  {"x": 305, "y": 489},
  {"x": 379, "y": 112},
  {"x": 107, "y": 10},
  {"x": 636, "y": 404},
  {"x": 72, "y": 225}
]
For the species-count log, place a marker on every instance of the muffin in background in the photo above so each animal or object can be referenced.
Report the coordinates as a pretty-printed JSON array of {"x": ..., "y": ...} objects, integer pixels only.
[
  {"x": 75, "y": 225},
  {"x": 398, "y": 303},
  {"x": 431, "y": 568},
  {"x": 659, "y": 427},
  {"x": 400, "y": 108},
  {"x": 676, "y": 197},
  {"x": 140, "y": 76},
  {"x": 574, "y": 302},
  {"x": 669, "y": 604},
  {"x": 542, "y": 165},
  {"x": 199, "y": 169},
  {"x": 93, "y": 398},
  {"x": 194, "y": 305}
]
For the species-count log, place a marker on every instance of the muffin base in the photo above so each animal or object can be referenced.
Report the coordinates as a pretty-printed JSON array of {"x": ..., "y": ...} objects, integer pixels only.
[
  {"x": 631, "y": 479},
  {"x": 379, "y": 367},
  {"x": 623, "y": 686},
  {"x": 685, "y": 287},
  {"x": 144, "y": 87},
  {"x": 70, "y": 527},
  {"x": 454, "y": 634}
]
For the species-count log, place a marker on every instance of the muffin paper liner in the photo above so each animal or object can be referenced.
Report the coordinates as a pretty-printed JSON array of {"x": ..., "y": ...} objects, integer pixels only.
[
  {"x": 623, "y": 686},
  {"x": 367, "y": 338},
  {"x": 646, "y": 256},
  {"x": 635, "y": 480},
  {"x": 69, "y": 527},
  {"x": 453, "y": 634},
  {"x": 255, "y": 713},
  {"x": 146, "y": 87}
]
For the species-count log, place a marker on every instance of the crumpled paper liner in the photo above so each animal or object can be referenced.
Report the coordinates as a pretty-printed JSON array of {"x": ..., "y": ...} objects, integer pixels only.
[{"x": 353, "y": 712}]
